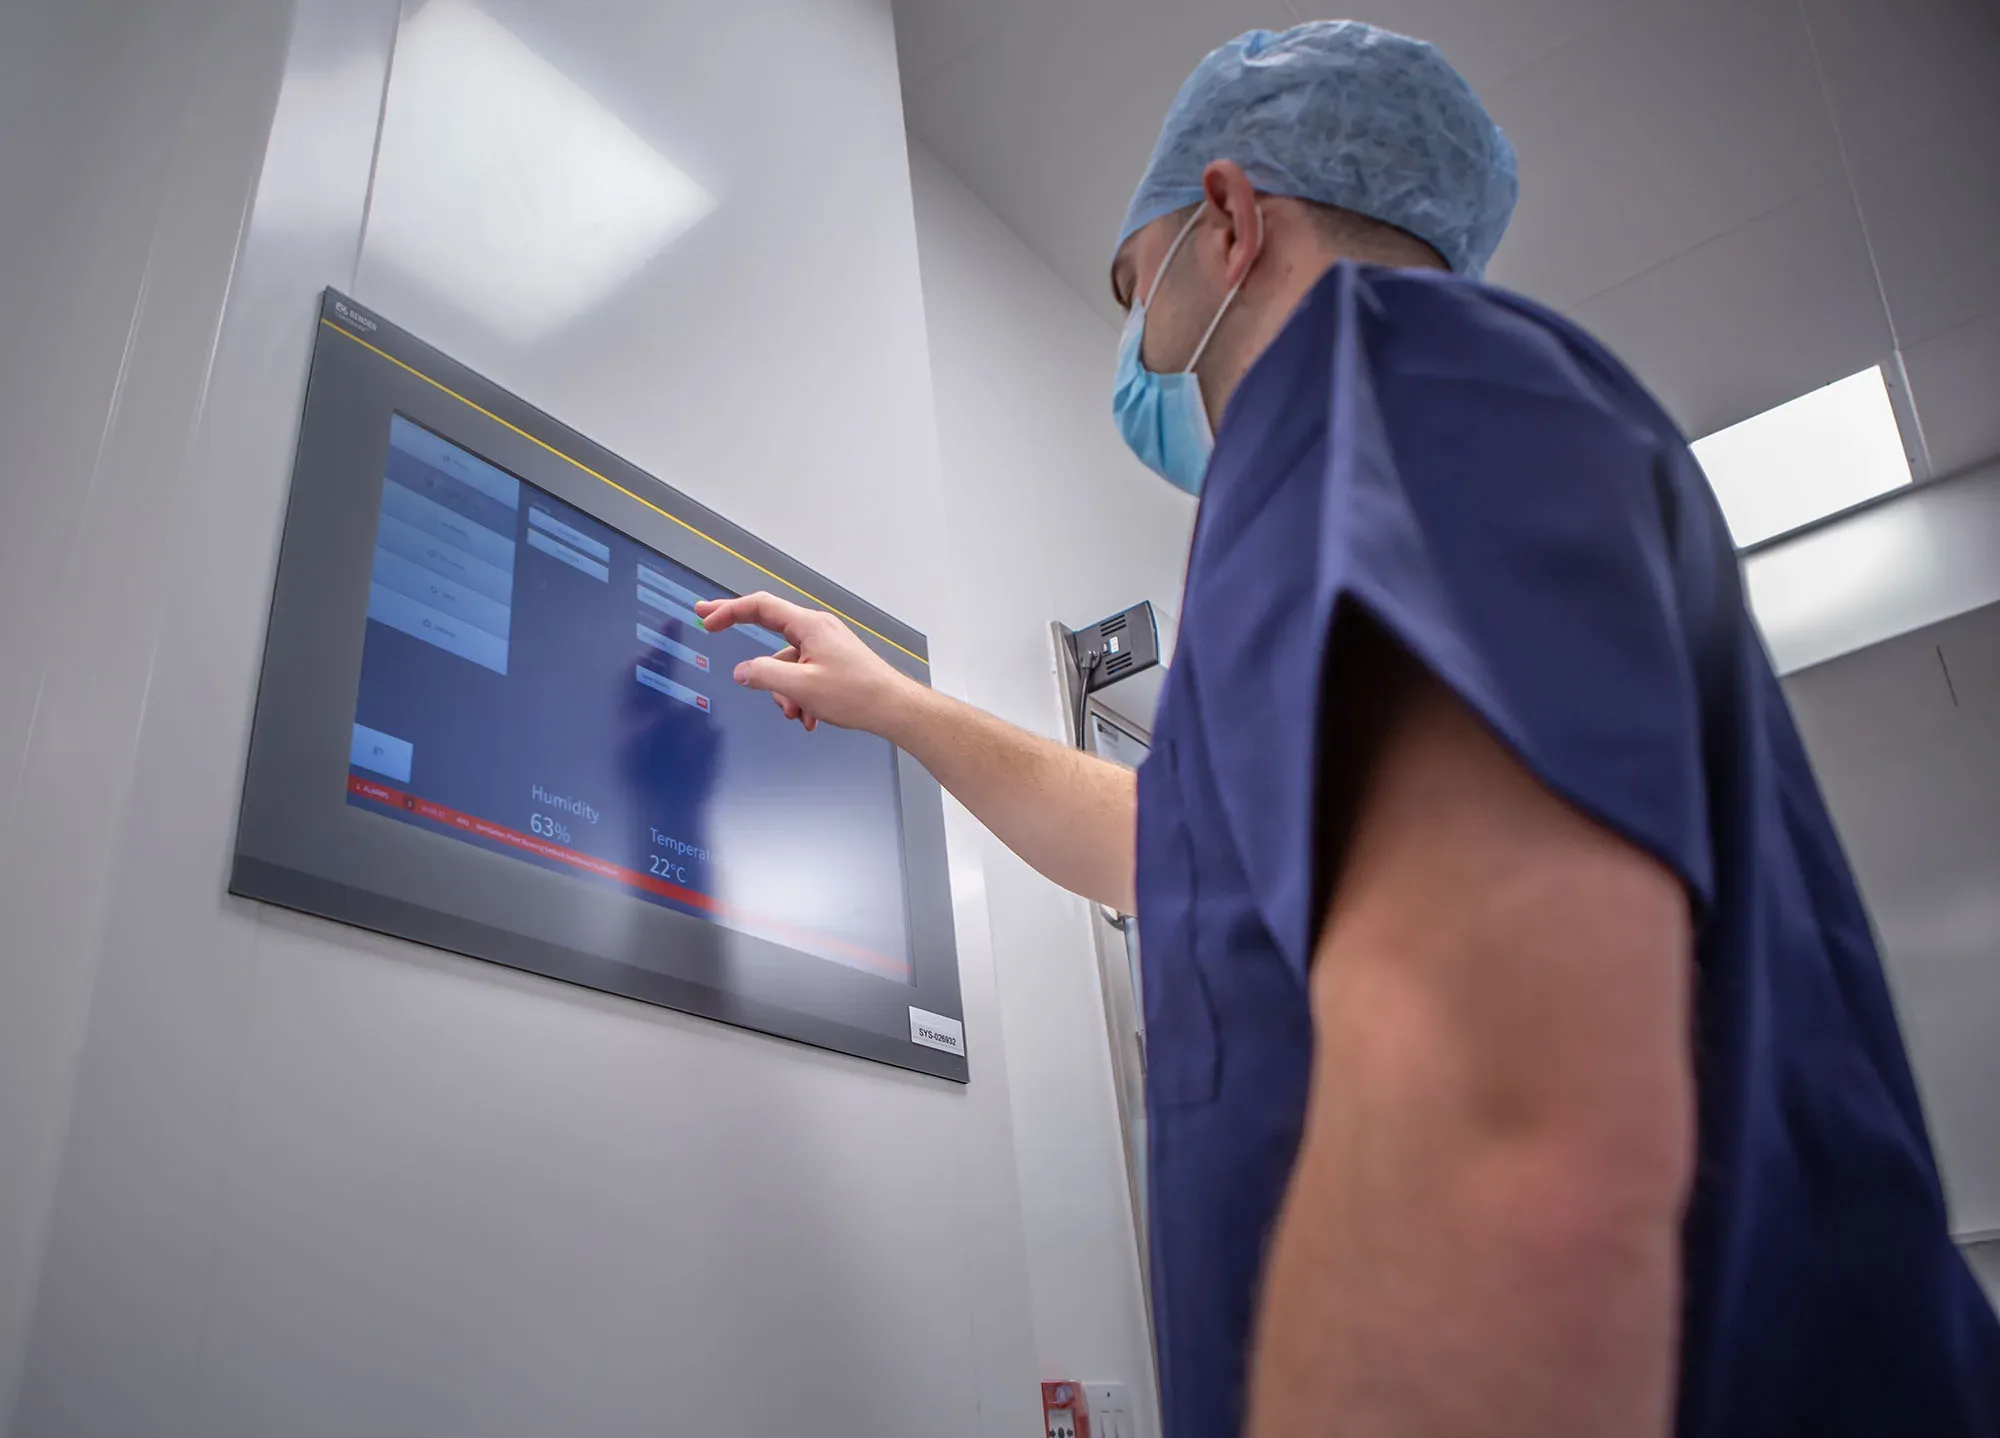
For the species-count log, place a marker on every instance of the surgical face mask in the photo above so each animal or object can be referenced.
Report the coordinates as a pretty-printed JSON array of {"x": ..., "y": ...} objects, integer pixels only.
[{"x": 1162, "y": 416}]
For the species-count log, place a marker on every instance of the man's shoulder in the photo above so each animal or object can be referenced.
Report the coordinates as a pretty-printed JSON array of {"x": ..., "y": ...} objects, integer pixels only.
[{"x": 1440, "y": 328}]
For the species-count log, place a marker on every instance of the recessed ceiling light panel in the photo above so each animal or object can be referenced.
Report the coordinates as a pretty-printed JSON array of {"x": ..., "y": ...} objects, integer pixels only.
[{"x": 1802, "y": 461}]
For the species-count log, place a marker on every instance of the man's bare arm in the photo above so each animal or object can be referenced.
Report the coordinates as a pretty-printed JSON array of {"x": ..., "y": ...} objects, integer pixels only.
[
  {"x": 1482, "y": 1231},
  {"x": 1071, "y": 816}
]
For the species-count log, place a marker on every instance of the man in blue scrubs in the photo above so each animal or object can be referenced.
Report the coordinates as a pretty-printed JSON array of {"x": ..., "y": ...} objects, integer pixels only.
[{"x": 1520, "y": 1058}]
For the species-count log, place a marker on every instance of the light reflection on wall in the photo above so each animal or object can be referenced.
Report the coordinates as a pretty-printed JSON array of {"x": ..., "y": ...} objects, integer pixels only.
[
  {"x": 508, "y": 189},
  {"x": 1820, "y": 595}
]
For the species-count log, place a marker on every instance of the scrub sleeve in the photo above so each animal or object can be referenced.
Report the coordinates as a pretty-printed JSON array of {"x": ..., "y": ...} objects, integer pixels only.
[{"x": 1515, "y": 540}]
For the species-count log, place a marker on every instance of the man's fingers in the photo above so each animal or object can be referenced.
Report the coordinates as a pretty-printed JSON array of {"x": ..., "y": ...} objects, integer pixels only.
[
  {"x": 792, "y": 710},
  {"x": 774, "y": 675},
  {"x": 768, "y": 610},
  {"x": 780, "y": 675}
]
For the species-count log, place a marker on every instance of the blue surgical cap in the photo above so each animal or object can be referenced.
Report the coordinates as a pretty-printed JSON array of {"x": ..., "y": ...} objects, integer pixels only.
[{"x": 1339, "y": 112}]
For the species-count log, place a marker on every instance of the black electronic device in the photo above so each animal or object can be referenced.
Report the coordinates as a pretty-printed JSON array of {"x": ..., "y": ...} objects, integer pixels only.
[
  {"x": 1116, "y": 647},
  {"x": 490, "y": 721}
]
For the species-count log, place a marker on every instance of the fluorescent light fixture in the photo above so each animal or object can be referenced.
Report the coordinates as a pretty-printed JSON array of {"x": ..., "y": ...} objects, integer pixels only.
[
  {"x": 1807, "y": 459},
  {"x": 506, "y": 187}
]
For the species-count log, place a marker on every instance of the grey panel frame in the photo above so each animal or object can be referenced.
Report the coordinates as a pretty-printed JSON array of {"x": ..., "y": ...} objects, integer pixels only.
[{"x": 301, "y": 845}]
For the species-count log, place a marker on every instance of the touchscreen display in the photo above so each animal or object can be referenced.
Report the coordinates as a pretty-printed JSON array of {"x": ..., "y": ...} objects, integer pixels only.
[{"x": 535, "y": 683}]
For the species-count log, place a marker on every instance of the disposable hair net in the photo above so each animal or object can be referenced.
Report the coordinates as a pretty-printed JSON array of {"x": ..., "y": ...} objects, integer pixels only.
[{"x": 1345, "y": 114}]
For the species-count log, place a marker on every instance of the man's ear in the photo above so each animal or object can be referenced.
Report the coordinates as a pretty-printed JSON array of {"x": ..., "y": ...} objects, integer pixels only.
[{"x": 1234, "y": 200}]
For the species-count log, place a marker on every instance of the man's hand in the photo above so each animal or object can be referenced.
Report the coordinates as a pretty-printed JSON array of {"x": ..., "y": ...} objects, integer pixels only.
[
  {"x": 825, "y": 675},
  {"x": 1069, "y": 815}
]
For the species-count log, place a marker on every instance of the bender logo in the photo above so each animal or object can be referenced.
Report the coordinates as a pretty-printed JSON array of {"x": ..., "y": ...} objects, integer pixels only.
[{"x": 353, "y": 316}]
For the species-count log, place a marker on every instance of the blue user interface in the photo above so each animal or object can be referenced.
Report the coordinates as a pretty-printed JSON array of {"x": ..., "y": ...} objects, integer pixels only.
[{"x": 536, "y": 684}]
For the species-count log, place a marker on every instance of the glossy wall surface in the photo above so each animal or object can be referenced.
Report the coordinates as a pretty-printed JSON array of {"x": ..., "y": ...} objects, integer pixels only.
[{"x": 266, "y": 1175}]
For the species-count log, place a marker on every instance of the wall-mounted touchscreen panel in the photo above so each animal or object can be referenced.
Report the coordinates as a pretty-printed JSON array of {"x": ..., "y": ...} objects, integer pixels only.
[
  {"x": 490, "y": 721},
  {"x": 537, "y": 683}
]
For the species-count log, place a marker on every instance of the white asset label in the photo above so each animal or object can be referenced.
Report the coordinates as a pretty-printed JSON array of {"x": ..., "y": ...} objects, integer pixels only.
[{"x": 935, "y": 1031}]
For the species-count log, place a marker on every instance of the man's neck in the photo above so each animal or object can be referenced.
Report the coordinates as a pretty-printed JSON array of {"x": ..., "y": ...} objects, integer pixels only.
[{"x": 1285, "y": 288}]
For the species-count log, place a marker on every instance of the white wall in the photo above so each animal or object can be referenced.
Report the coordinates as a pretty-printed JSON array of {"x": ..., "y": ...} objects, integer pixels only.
[
  {"x": 1050, "y": 518},
  {"x": 129, "y": 141},
  {"x": 261, "y": 1174},
  {"x": 1985, "y": 1261}
]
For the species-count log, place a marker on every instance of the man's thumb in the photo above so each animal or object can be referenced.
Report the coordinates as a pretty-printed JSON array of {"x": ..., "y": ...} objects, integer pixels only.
[{"x": 774, "y": 675}]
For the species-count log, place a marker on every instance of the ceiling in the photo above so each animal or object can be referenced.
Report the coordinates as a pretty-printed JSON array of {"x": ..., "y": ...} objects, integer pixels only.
[
  {"x": 1905, "y": 738},
  {"x": 1746, "y": 198}
]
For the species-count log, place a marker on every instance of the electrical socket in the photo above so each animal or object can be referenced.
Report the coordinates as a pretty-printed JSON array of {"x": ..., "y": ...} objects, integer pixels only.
[
  {"x": 1110, "y": 1408},
  {"x": 1061, "y": 1422}
]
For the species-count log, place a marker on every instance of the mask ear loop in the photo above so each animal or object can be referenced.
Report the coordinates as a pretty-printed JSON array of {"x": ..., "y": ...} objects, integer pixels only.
[
  {"x": 1229, "y": 299},
  {"x": 1172, "y": 250}
]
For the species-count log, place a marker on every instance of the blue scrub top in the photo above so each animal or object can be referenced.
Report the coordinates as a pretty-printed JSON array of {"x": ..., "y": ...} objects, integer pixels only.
[{"x": 1506, "y": 500}]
